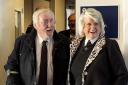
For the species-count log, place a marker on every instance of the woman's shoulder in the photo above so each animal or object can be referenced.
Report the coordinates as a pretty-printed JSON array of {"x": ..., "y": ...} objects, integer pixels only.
[
  {"x": 76, "y": 39},
  {"x": 112, "y": 43}
]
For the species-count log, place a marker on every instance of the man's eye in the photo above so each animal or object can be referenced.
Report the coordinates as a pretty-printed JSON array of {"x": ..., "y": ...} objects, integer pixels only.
[
  {"x": 51, "y": 20},
  {"x": 45, "y": 22}
]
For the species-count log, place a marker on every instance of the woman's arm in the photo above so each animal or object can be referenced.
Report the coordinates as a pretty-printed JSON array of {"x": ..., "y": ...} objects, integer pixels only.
[{"x": 117, "y": 63}]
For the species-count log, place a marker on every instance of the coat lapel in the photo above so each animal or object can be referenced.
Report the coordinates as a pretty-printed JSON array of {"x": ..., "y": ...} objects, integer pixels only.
[{"x": 30, "y": 41}]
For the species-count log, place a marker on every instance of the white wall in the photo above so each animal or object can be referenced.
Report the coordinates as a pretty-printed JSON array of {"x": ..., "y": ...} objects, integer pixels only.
[
  {"x": 7, "y": 31},
  {"x": 125, "y": 27},
  {"x": 123, "y": 19}
]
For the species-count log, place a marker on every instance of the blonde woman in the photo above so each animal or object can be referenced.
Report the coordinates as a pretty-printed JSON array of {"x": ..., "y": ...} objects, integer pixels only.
[{"x": 94, "y": 59}]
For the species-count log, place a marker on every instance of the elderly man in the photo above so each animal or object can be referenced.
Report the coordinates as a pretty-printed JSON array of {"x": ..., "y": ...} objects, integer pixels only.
[{"x": 40, "y": 57}]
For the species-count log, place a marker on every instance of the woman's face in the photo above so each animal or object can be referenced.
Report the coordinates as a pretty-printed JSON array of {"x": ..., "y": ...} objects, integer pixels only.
[{"x": 91, "y": 29}]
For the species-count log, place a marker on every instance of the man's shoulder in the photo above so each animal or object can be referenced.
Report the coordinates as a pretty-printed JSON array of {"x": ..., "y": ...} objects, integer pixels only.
[
  {"x": 65, "y": 32},
  {"x": 62, "y": 38},
  {"x": 29, "y": 36},
  {"x": 22, "y": 37}
]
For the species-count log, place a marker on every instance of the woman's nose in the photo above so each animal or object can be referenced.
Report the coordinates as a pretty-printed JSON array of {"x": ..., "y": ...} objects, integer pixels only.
[{"x": 92, "y": 26}]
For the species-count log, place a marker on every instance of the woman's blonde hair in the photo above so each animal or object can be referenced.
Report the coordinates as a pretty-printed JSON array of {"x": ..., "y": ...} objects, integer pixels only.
[{"x": 93, "y": 14}]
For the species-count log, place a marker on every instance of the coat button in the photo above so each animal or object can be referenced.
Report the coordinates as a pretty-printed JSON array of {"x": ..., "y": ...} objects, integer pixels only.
[
  {"x": 86, "y": 73},
  {"x": 35, "y": 83}
]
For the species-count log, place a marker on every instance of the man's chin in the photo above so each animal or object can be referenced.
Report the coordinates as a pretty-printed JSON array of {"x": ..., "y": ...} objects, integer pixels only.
[{"x": 50, "y": 34}]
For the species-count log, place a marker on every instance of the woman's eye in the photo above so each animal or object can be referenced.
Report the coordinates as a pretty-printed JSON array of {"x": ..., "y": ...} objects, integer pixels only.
[
  {"x": 88, "y": 24},
  {"x": 96, "y": 24}
]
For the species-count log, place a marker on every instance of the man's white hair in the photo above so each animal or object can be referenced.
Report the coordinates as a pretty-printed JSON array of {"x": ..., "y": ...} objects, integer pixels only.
[
  {"x": 41, "y": 11},
  {"x": 93, "y": 14}
]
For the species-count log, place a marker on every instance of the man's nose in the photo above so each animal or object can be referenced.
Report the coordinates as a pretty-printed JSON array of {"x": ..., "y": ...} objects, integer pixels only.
[{"x": 49, "y": 24}]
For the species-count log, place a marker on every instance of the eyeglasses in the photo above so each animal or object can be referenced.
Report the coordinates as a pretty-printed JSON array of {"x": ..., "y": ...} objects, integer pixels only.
[{"x": 45, "y": 22}]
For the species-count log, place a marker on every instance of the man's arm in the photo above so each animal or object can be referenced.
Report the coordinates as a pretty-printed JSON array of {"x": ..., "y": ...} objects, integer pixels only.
[{"x": 12, "y": 66}]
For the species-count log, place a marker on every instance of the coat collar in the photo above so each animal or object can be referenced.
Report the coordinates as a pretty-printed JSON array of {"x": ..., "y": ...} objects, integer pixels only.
[{"x": 32, "y": 36}]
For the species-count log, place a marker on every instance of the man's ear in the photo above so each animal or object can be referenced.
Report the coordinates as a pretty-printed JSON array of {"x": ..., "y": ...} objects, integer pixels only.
[{"x": 35, "y": 26}]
